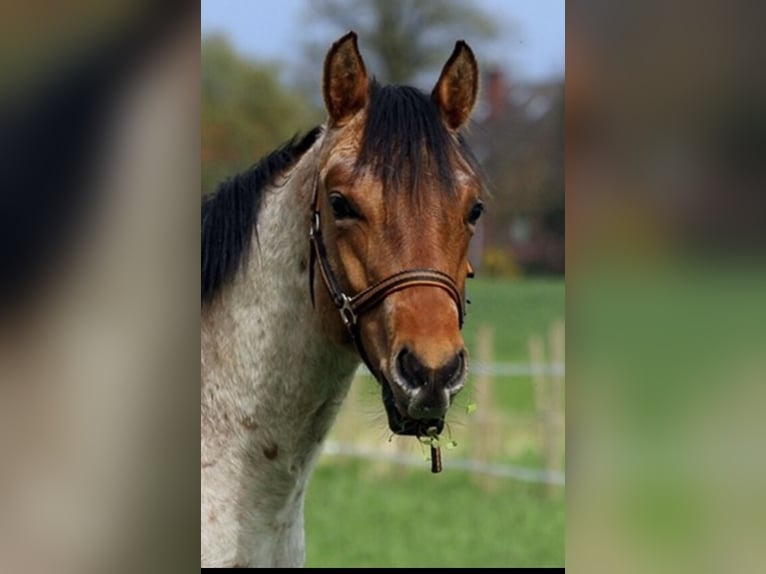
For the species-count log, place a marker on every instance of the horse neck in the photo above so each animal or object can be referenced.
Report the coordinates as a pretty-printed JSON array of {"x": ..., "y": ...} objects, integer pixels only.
[{"x": 272, "y": 383}]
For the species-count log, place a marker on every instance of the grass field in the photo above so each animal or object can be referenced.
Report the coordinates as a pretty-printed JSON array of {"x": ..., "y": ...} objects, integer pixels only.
[
  {"x": 372, "y": 513},
  {"x": 515, "y": 310},
  {"x": 357, "y": 515}
]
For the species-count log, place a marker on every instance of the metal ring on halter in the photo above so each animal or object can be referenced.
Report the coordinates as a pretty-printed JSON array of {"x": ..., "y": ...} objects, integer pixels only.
[{"x": 346, "y": 311}]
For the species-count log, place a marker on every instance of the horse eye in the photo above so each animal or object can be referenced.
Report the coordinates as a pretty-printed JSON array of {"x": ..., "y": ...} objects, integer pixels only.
[
  {"x": 475, "y": 213},
  {"x": 341, "y": 208}
]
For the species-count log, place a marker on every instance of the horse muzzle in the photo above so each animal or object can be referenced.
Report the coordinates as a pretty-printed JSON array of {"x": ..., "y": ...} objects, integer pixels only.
[{"x": 417, "y": 396}]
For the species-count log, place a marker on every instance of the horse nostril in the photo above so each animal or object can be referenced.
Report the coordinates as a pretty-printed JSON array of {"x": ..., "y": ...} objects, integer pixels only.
[
  {"x": 416, "y": 374},
  {"x": 448, "y": 373}
]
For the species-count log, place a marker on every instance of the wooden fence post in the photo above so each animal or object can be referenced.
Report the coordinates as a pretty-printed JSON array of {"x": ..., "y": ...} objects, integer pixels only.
[
  {"x": 557, "y": 343},
  {"x": 548, "y": 391}
]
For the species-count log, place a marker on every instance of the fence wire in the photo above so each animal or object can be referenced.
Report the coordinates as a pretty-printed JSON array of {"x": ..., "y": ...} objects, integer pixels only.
[{"x": 538, "y": 476}]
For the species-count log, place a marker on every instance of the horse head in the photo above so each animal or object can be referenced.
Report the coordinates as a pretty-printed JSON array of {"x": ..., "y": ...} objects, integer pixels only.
[{"x": 396, "y": 200}]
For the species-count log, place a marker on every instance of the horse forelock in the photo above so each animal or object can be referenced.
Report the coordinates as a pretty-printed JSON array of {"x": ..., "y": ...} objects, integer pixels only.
[{"x": 406, "y": 145}]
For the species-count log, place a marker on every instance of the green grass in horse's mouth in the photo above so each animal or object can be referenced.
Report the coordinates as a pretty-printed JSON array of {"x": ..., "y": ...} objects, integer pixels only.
[{"x": 426, "y": 430}]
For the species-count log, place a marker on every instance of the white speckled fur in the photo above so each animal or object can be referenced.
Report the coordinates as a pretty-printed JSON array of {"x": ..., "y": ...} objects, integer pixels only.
[{"x": 272, "y": 384}]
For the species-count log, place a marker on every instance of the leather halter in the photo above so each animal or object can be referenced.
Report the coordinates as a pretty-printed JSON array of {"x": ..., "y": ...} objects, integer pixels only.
[{"x": 352, "y": 307}]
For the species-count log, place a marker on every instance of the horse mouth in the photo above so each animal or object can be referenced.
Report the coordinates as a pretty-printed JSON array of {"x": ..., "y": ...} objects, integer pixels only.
[{"x": 404, "y": 425}]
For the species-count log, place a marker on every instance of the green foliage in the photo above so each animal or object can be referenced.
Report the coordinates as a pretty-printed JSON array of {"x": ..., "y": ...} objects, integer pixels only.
[
  {"x": 497, "y": 262},
  {"x": 246, "y": 111}
]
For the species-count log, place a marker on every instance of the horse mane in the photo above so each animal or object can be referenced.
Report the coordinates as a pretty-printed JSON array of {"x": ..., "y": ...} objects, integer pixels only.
[
  {"x": 404, "y": 133},
  {"x": 230, "y": 214}
]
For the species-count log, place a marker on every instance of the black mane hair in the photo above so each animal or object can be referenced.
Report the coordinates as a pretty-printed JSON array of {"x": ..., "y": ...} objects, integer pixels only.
[
  {"x": 405, "y": 132},
  {"x": 230, "y": 215}
]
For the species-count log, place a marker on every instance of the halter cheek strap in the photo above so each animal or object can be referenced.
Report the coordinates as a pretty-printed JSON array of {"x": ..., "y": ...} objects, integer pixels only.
[{"x": 351, "y": 308}]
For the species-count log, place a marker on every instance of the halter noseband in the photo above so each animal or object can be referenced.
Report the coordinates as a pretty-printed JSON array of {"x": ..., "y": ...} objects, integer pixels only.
[{"x": 352, "y": 307}]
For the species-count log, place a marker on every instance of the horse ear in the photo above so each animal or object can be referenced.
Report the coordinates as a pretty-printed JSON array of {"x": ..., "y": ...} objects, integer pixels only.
[
  {"x": 344, "y": 84},
  {"x": 455, "y": 92}
]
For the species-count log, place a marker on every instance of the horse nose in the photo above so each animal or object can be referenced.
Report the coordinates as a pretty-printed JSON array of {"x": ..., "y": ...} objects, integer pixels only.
[{"x": 415, "y": 373}]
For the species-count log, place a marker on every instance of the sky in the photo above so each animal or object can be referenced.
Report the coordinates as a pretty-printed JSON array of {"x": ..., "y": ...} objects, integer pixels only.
[{"x": 533, "y": 50}]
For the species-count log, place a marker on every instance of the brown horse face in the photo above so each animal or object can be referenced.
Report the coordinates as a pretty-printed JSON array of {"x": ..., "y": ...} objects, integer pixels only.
[{"x": 400, "y": 192}]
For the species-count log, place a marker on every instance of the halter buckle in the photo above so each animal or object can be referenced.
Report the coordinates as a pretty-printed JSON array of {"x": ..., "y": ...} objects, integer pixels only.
[{"x": 346, "y": 311}]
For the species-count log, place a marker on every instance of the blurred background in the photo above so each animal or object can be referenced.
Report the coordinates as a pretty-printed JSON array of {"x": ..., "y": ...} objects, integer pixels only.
[
  {"x": 500, "y": 499},
  {"x": 665, "y": 169},
  {"x": 99, "y": 279}
]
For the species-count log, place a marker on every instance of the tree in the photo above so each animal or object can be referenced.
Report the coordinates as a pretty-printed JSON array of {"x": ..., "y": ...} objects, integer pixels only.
[
  {"x": 245, "y": 111},
  {"x": 400, "y": 39}
]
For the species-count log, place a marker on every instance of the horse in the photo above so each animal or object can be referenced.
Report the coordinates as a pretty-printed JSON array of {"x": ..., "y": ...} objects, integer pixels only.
[{"x": 346, "y": 245}]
